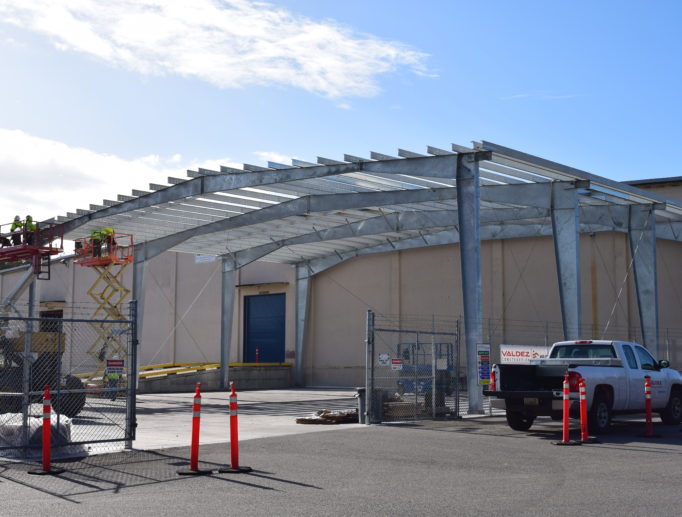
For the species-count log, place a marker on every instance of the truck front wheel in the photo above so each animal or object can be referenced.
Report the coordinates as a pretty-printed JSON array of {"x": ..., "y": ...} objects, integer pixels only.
[
  {"x": 599, "y": 417},
  {"x": 519, "y": 421},
  {"x": 672, "y": 413}
]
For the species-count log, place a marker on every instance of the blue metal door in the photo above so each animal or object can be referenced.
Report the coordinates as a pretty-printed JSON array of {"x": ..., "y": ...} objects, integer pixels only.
[{"x": 264, "y": 328}]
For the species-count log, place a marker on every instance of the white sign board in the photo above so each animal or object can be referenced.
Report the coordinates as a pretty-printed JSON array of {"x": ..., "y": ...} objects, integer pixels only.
[
  {"x": 522, "y": 354},
  {"x": 384, "y": 359},
  {"x": 202, "y": 259}
]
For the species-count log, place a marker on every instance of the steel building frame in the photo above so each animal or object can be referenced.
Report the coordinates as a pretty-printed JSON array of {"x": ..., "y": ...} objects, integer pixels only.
[{"x": 317, "y": 215}]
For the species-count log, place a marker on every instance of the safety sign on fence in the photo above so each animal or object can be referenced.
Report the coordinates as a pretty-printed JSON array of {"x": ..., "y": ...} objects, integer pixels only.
[
  {"x": 483, "y": 359},
  {"x": 115, "y": 366}
]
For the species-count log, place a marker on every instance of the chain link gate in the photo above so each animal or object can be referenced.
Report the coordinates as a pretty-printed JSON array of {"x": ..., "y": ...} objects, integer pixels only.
[
  {"x": 92, "y": 388},
  {"x": 413, "y": 372}
]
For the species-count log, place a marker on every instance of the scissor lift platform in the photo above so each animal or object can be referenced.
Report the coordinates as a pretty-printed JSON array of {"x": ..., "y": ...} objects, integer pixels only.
[{"x": 36, "y": 246}]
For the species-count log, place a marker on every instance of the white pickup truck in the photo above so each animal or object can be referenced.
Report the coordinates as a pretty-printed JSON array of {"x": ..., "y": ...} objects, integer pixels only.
[{"x": 614, "y": 373}]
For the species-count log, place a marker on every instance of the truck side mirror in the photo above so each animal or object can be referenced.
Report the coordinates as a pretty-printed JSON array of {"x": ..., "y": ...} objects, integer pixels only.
[{"x": 663, "y": 363}]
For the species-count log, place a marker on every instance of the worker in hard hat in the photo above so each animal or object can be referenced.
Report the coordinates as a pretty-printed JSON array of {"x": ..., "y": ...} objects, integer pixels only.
[
  {"x": 16, "y": 229},
  {"x": 30, "y": 228},
  {"x": 5, "y": 241},
  {"x": 96, "y": 241},
  {"x": 112, "y": 376},
  {"x": 107, "y": 234}
]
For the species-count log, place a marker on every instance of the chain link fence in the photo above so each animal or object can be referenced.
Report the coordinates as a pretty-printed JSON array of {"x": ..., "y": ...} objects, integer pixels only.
[
  {"x": 416, "y": 366},
  {"x": 414, "y": 369},
  {"x": 89, "y": 366}
]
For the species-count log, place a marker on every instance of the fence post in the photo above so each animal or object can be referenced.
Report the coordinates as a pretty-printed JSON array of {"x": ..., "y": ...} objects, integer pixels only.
[
  {"x": 131, "y": 404},
  {"x": 369, "y": 368}
]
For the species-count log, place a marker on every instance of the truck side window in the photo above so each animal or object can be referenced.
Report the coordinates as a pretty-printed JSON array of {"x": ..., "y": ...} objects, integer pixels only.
[
  {"x": 645, "y": 359},
  {"x": 630, "y": 357}
]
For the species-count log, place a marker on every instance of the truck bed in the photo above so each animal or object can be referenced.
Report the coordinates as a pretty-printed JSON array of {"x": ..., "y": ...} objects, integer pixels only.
[{"x": 531, "y": 377}]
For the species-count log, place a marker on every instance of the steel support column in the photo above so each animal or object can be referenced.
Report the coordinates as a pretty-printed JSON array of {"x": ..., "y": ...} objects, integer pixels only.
[
  {"x": 469, "y": 204},
  {"x": 226, "y": 318},
  {"x": 566, "y": 230},
  {"x": 302, "y": 304},
  {"x": 138, "y": 296},
  {"x": 642, "y": 236}
]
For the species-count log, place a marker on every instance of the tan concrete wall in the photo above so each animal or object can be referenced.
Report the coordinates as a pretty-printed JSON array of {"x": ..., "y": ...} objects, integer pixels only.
[{"x": 520, "y": 299}]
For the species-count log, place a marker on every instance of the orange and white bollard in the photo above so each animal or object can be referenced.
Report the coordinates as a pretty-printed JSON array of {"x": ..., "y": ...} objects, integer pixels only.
[
  {"x": 584, "y": 436},
  {"x": 566, "y": 410},
  {"x": 234, "y": 437},
  {"x": 47, "y": 437},
  {"x": 493, "y": 383},
  {"x": 584, "y": 433},
  {"x": 648, "y": 422},
  {"x": 194, "y": 469}
]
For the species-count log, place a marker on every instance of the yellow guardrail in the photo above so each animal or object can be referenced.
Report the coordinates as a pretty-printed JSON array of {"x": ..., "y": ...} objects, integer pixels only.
[
  {"x": 178, "y": 369},
  {"x": 158, "y": 370}
]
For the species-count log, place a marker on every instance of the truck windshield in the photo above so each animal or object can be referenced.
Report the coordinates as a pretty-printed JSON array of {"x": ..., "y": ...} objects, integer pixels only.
[{"x": 584, "y": 351}]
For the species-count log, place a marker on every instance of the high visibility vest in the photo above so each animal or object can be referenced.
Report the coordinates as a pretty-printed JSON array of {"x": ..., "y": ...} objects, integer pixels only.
[
  {"x": 17, "y": 225},
  {"x": 30, "y": 225},
  {"x": 107, "y": 230}
]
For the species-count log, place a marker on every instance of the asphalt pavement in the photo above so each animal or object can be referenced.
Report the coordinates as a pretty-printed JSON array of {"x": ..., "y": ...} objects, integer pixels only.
[{"x": 472, "y": 466}]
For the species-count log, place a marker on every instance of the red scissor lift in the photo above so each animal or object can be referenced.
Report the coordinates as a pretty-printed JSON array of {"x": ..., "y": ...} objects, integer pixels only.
[
  {"x": 36, "y": 246},
  {"x": 104, "y": 251}
]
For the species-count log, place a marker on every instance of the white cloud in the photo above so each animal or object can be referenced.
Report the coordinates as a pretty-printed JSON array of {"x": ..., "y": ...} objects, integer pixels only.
[
  {"x": 46, "y": 178},
  {"x": 269, "y": 156},
  {"x": 228, "y": 43}
]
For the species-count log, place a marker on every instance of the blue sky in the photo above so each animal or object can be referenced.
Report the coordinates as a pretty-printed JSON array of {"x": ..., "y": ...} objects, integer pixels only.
[{"x": 102, "y": 97}]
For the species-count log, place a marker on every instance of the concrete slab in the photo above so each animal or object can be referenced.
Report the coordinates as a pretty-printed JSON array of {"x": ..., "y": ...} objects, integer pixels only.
[{"x": 165, "y": 420}]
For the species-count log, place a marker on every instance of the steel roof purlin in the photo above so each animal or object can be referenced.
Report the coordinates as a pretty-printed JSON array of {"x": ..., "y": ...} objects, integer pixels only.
[{"x": 342, "y": 207}]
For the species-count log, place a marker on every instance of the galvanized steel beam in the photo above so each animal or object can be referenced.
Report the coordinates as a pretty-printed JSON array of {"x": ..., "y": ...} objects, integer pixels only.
[
  {"x": 385, "y": 223},
  {"x": 643, "y": 250},
  {"x": 469, "y": 204},
  {"x": 139, "y": 297},
  {"x": 302, "y": 308},
  {"x": 566, "y": 228},
  {"x": 619, "y": 189},
  {"x": 226, "y": 312}
]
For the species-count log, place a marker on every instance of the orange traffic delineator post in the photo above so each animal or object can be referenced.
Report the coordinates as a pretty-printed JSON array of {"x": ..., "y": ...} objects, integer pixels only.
[
  {"x": 493, "y": 383},
  {"x": 194, "y": 469},
  {"x": 234, "y": 437},
  {"x": 567, "y": 408},
  {"x": 47, "y": 437},
  {"x": 648, "y": 422},
  {"x": 584, "y": 435}
]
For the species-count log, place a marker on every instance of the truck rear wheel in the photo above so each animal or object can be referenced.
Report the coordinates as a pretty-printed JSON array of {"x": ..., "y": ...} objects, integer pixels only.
[
  {"x": 672, "y": 413},
  {"x": 519, "y": 421},
  {"x": 599, "y": 417}
]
